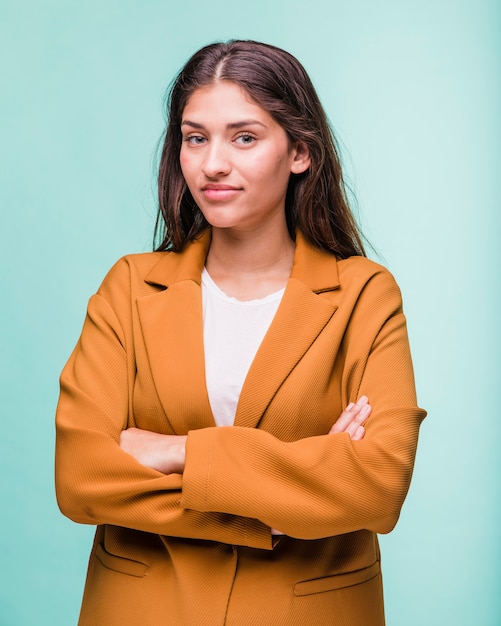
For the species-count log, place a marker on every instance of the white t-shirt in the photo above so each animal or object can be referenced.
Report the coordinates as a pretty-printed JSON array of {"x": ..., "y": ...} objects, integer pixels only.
[{"x": 233, "y": 332}]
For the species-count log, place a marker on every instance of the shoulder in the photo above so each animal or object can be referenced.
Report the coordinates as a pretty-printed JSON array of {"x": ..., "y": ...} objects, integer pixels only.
[
  {"x": 361, "y": 266},
  {"x": 129, "y": 273},
  {"x": 369, "y": 282},
  {"x": 363, "y": 270},
  {"x": 139, "y": 263}
]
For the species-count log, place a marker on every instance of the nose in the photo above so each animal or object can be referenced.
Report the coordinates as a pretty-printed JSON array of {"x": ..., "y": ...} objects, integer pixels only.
[{"x": 216, "y": 162}]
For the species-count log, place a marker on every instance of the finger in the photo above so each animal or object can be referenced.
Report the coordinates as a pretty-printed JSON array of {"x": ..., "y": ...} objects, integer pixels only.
[
  {"x": 363, "y": 400},
  {"x": 348, "y": 415},
  {"x": 344, "y": 419},
  {"x": 359, "y": 434},
  {"x": 358, "y": 419}
]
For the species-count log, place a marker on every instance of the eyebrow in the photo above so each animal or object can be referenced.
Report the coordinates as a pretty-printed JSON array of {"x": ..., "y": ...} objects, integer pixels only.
[{"x": 232, "y": 126}]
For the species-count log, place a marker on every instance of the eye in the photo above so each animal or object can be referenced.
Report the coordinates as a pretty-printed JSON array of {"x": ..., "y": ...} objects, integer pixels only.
[
  {"x": 194, "y": 140},
  {"x": 245, "y": 139}
]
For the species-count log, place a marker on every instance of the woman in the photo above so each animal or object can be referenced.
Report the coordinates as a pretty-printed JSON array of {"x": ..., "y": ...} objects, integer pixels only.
[{"x": 197, "y": 419}]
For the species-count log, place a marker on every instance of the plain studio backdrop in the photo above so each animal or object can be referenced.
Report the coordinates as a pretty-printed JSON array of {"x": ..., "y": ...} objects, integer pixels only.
[{"x": 413, "y": 91}]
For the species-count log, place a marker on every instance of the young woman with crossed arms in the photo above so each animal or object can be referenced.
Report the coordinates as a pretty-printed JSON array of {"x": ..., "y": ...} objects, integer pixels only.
[{"x": 197, "y": 425}]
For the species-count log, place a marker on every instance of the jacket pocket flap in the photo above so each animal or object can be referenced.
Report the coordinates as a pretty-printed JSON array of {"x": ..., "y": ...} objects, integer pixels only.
[
  {"x": 119, "y": 564},
  {"x": 338, "y": 581}
]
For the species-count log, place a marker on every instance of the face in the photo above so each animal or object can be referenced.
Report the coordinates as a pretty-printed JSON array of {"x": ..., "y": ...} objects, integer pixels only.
[{"x": 236, "y": 159}]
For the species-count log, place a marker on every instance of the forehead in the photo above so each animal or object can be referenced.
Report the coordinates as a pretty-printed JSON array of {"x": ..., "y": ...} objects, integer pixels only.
[{"x": 224, "y": 96}]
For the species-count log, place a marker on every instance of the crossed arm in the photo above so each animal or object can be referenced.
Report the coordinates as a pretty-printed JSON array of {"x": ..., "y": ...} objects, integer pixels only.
[
  {"x": 167, "y": 453},
  {"x": 320, "y": 485}
]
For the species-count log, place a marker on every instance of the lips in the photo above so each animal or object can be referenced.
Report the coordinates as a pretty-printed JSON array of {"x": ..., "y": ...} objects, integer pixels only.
[{"x": 219, "y": 192}]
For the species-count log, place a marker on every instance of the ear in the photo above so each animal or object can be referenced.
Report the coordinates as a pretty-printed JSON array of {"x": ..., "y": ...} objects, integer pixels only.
[{"x": 300, "y": 158}]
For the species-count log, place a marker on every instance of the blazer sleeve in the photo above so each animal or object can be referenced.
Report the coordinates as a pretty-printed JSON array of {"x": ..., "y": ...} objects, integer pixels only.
[
  {"x": 98, "y": 483},
  {"x": 324, "y": 485}
]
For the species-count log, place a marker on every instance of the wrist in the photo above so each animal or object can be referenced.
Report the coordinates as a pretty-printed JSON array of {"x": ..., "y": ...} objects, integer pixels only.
[{"x": 178, "y": 454}]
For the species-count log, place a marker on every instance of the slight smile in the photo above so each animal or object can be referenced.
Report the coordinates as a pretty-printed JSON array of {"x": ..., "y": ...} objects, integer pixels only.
[{"x": 218, "y": 192}]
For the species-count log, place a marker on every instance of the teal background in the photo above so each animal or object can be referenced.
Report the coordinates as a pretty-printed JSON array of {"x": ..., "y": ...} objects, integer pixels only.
[{"x": 413, "y": 91}]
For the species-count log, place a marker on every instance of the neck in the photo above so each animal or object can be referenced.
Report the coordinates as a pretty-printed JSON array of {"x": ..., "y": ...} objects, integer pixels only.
[{"x": 249, "y": 267}]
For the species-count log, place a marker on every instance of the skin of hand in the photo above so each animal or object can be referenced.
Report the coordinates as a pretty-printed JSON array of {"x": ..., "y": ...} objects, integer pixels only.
[
  {"x": 167, "y": 453},
  {"x": 352, "y": 419},
  {"x": 164, "y": 453}
]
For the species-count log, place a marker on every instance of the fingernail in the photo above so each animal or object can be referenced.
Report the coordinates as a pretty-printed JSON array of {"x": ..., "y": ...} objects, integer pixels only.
[
  {"x": 362, "y": 400},
  {"x": 365, "y": 410}
]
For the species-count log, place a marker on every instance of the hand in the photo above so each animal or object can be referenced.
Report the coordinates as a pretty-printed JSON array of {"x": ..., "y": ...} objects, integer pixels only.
[
  {"x": 164, "y": 453},
  {"x": 351, "y": 419}
]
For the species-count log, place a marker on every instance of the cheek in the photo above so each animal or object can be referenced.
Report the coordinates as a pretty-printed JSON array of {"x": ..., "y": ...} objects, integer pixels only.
[
  {"x": 280, "y": 170},
  {"x": 184, "y": 161},
  {"x": 188, "y": 163},
  {"x": 280, "y": 162},
  {"x": 267, "y": 167}
]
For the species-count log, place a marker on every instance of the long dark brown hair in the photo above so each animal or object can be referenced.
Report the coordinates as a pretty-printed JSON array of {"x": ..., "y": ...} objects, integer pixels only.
[{"x": 316, "y": 201}]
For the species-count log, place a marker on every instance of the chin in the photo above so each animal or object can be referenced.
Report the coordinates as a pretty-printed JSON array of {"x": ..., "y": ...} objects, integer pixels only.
[{"x": 220, "y": 219}]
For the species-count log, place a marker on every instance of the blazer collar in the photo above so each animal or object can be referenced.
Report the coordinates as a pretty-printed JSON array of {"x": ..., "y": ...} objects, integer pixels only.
[
  {"x": 172, "y": 325},
  {"x": 315, "y": 268},
  {"x": 175, "y": 267}
]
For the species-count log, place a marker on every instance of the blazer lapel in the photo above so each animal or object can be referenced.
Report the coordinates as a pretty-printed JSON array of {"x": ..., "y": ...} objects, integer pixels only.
[
  {"x": 301, "y": 317},
  {"x": 171, "y": 321},
  {"x": 172, "y": 325}
]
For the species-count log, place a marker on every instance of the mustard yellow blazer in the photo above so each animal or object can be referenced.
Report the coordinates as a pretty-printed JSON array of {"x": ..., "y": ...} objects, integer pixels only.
[{"x": 196, "y": 549}]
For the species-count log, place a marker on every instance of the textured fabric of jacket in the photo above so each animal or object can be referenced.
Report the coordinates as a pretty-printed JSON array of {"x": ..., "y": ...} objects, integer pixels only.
[{"x": 196, "y": 549}]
